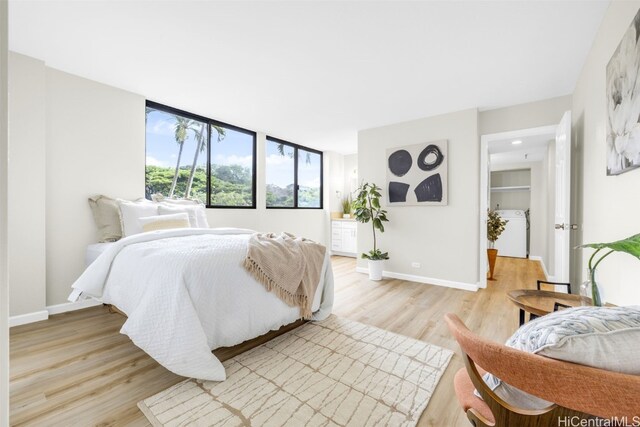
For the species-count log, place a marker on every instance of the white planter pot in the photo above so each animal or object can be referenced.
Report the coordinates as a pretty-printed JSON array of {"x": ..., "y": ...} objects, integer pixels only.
[
  {"x": 346, "y": 216},
  {"x": 375, "y": 269}
]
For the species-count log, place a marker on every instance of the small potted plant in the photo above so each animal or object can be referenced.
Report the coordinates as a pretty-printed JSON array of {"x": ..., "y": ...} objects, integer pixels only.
[
  {"x": 495, "y": 227},
  {"x": 589, "y": 289},
  {"x": 366, "y": 208},
  {"x": 346, "y": 207}
]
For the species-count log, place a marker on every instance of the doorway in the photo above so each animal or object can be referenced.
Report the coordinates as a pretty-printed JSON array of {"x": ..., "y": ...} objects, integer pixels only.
[{"x": 524, "y": 175}]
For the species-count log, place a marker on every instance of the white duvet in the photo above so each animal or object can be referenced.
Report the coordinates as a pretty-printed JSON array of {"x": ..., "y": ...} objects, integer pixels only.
[{"x": 185, "y": 292}]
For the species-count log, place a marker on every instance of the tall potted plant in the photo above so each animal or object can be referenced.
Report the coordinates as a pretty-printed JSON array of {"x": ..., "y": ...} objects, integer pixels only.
[
  {"x": 366, "y": 208},
  {"x": 630, "y": 245},
  {"x": 495, "y": 227}
]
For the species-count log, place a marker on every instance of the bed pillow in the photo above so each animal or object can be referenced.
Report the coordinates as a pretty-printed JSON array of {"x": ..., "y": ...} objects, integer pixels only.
[
  {"x": 106, "y": 214},
  {"x": 602, "y": 337},
  {"x": 196, "y": 206},
  {"x": 166, "y": 209},
  {"x": 130, "y": 212},
  {"x": 164, "y": 222}
]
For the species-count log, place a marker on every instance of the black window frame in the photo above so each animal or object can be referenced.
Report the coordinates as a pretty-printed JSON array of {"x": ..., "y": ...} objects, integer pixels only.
[
  {"x": 296, "y": 187},
  {"x": 210, "y": 122}
]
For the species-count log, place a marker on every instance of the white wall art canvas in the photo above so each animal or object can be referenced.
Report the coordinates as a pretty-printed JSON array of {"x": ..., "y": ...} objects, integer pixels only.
[
  {"x": 623, "y": 103},
  {"x": 417, "y": 174}
]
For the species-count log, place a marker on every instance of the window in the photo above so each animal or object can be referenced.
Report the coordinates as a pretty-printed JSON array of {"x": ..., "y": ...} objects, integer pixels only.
[
  {"x": 293, "y": 175},
  {"x": 195, "y": 157}
]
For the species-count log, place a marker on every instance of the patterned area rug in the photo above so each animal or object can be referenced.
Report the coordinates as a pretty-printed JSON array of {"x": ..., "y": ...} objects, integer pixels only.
[{"x": 330, "y": 373}]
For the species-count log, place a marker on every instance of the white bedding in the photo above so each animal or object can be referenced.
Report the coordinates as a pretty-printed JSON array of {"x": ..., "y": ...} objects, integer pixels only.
[
  {"x": 94, "y": 251},
  {"x": 185, "y": 293}
]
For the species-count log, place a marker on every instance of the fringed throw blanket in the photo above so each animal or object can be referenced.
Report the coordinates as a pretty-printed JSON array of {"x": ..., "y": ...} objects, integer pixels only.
[{"x": 287, "y": 266}]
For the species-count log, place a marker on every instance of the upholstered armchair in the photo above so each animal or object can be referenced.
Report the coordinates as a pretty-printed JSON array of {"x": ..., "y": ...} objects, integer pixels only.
[{"x": 577, "y": 390}]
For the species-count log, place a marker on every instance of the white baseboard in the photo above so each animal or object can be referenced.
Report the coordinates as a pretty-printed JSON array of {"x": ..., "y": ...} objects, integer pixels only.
[
  {"x": 427, "y": 280},
  {"x": 544, "y": 267},
  {"x": 37, "y": 316},
  {"x": 72, "y": 306},
  {"x": 23, "y": 319}
]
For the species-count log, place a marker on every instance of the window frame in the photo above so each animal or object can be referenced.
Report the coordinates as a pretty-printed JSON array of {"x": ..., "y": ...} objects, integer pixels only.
[
  {"x": 210, "y": 122},
  {"x": 296, "y": 187}
]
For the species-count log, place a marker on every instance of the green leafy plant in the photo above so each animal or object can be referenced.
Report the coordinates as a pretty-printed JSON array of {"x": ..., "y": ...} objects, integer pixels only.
[
  {"x": 630, "y": 245},
  {"x": 495, "y": 226},
  {"x": 346, "y": 205},
  {"x": 366, "y": 208}
]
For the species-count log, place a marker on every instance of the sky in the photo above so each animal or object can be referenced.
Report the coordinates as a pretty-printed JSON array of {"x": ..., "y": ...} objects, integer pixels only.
[{"x": 235, "y": 148}]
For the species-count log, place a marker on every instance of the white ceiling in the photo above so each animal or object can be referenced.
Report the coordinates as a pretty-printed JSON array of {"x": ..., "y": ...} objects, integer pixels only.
[
  {"x": 316, "y": 72},
  {"x": 532, "y": 149}
]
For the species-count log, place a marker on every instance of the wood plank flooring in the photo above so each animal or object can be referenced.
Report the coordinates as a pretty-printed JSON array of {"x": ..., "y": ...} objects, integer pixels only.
[{"x": 77, "y": 369}]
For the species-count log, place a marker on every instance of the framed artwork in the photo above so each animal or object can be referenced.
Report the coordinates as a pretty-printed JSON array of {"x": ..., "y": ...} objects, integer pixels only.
[
  {"x": 623, "y": 103},
  {"x": 417, "y": 174}
]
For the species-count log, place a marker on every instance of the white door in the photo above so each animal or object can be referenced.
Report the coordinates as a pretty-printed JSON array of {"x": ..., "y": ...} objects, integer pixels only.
[{"x": 563, "y": 199}]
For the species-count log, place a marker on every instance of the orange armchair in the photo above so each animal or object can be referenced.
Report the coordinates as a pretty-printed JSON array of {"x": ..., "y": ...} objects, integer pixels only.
[{"x": 577, "y": 390}]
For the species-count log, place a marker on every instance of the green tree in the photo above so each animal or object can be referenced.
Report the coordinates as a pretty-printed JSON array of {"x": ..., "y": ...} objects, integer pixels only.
[
  {"x": 181, "y": 133},
  {"x": 201, "y": 140}
]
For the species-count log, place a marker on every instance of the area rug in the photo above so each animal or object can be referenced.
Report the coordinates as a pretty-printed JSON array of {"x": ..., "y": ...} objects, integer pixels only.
[{"x": 331, "y": 373}]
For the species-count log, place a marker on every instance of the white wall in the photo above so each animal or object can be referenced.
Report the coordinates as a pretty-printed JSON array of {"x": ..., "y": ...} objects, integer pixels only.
[
  {"x": 609, "y": 207},
  {"x": 351, "y": 180},
  {"x": 95, "y": 145},
  {"x": 334, "y": 180},
  {"x": 27, "y": 258},
  {"x": 524, "y": 116},
  {"x": 443, "y": 239},
  {"x": 4, "y": 285}
]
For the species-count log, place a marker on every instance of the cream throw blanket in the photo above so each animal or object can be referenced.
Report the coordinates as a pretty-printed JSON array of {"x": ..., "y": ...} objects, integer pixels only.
[{"x": 287, "y": 266}]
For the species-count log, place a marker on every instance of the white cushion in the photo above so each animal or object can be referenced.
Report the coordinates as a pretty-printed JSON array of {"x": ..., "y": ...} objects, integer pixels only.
[
  {"x": 164, "y": 209},
  {"x": 130, "y": 212},
  {"x": 164, "y": 222},
  {"x": 602, "y": 337},
  {"x": 197, "y": 207}
]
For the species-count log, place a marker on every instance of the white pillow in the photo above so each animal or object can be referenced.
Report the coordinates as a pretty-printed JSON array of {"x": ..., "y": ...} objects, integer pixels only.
[
  {"x": 197, "y": 207},
  {"x": 164, "y": 222},
  {"x": 164, "y": 209},
  {"x": 602, "y": 337},
  {"x": 130, "y": 212}
]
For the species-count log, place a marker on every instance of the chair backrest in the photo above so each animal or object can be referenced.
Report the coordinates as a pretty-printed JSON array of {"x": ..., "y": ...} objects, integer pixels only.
[
  {"x": 544, "y": 285},
  {"x": 580, "y": 388}
]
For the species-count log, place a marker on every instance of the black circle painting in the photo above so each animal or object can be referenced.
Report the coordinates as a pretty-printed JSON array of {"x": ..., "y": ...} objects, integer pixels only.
[
  {"x": 430, "y": 158},
  {"x": 417, "y": 174},
  {"x": 400, "y": 162}
]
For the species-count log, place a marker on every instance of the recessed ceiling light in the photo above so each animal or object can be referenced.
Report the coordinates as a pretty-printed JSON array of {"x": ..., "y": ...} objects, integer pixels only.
[{"x": 516, "y": 142}]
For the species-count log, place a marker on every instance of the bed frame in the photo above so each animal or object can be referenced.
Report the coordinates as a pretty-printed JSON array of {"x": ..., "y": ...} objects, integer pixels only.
[{"x": 225, "y": 353}]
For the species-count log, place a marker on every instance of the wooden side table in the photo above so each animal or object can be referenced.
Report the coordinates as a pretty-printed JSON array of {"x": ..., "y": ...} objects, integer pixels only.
[{"x": 538, "y": 303}]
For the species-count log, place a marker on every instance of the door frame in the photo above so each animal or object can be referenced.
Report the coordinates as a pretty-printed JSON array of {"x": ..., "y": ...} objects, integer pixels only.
[{"x": 485, "y": 142}]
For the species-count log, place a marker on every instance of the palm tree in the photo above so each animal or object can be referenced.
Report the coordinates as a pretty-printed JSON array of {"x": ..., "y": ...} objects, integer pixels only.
[
  {"x": 280, "y": 149},
  {"x": 181, "y": 132},
  {"x": 201, "y": 145}
]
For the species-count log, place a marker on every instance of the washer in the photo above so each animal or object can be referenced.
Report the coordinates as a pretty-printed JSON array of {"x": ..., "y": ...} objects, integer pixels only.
[{"x": 513, "y": 240}]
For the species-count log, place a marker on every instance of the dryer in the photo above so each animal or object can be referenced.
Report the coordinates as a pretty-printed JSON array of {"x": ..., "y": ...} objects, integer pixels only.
[{"x": 513, "y": 240}]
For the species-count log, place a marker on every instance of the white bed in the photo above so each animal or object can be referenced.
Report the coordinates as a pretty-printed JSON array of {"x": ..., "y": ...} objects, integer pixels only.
[
  {"x": 185, "y": 292},
  {"x": 94, "y": 251}
]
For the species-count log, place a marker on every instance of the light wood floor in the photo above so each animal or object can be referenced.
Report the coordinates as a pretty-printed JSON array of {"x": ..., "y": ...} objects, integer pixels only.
[{"x": 76, "y": 369}]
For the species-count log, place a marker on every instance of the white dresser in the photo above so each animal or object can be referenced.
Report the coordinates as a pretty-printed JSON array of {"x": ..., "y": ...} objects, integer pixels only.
[{"x": 344, "y": 237}]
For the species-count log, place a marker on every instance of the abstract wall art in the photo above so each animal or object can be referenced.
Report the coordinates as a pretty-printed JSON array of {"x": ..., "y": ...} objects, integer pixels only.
[
  {"x": 623, "y": 103},
  {"x": 417, "y": 174}
]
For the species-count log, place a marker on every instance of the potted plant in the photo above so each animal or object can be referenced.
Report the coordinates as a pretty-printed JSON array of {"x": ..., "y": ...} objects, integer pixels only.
[
  {"x": 495, "y": 227},
  {"x": 630, "y": 245},
  {"x": 346, "y": 207},
  {"x": 366, "y": 208}
]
